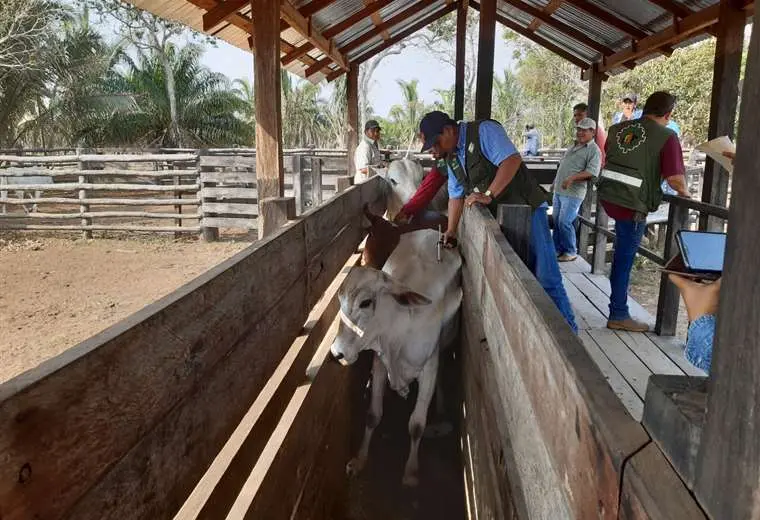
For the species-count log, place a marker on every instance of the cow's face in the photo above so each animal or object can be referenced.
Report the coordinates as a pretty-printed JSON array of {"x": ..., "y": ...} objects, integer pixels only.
[
  {"x": 403, "y": 177},
  {"x": 371, "y": 303}
]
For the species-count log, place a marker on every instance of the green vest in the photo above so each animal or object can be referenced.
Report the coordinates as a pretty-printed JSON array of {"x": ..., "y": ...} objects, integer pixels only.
[
  {"x": 523, "y": 189},
  {"x": 631, "y": 176}
]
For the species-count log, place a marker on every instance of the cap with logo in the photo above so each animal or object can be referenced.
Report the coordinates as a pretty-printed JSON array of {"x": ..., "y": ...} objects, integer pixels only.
[
  {"x": 586, "y": 124},
  {"x": 369, "y": 125},
  {"x": 432, "y": 126},
  {"x": 631, "y": 97}
]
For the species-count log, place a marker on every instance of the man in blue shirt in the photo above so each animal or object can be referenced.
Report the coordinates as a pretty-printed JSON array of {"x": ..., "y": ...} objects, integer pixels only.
[
  {"x": 448, "y": 139},
  {"x": 629, "y": 110},
  {"x": 531, "y": 141}
]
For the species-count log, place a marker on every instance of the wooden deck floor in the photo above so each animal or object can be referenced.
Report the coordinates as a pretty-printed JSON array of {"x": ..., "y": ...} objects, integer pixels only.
[{"x": 626, "y": 359}]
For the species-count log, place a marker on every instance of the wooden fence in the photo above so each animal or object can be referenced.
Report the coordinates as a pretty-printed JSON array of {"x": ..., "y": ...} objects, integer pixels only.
[
  {"x": 208, "y": 403},
  {"x": 185, "y": 192}
]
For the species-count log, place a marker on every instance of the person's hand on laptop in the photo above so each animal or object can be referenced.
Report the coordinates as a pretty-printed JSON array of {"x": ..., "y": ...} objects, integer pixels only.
[{"x": 700, "y": 298}]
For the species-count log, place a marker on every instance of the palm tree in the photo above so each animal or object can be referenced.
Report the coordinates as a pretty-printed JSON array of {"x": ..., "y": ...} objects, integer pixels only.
[
  {"x": 404, "y": 118},
  {"x": 245, "y": 91},
  {"x": 303, "y": 120},
  {"x": 208, "y": 108},
  {"x": 508, "y": 103}
]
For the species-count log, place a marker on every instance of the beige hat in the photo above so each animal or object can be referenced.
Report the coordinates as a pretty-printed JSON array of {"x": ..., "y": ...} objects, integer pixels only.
[{"x": 586, "y": 124}]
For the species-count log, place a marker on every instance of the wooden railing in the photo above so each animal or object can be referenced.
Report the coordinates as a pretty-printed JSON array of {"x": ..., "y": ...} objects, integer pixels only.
[{"x": 217, "y": 399}]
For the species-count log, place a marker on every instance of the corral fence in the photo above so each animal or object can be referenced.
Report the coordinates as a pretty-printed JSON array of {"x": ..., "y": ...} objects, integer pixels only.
[{"x": 159, "y": 191}]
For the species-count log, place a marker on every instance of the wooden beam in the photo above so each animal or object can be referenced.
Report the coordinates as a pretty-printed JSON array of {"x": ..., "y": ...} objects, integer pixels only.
[
  {"x": 377, "y": 20},
  {"x": 724, "y": 102},
  {"x": 550, "y": 8},
  {"x": 221, "y": 12},
  {"x": 461, "y": 50},
  {"x": 318, "y": 66},
  {"x": 672, "y": 7},
  {"x": 287, "y": 48},
  {"x": 358, "y": 16},
  {"x": 562, "y": 27},
  {"x": 303, "y": 25},
  {"x": 404, "y": 34},
  {"x": 270, "y": 175},
  {"x": 352, "y": 115},
  {"x": 727, "y": 482},
  {"x": 689, "y": 26},
  {"x": 369, "y": 35},
  {"x": 314, "y": 7},
  {"x": 608, "y": 18},
  {"x": 595, "y": 94},
  {"x": 297, "y": 53},
  {"x": 519, "y": 29},
  {"x": 332, "y": 76},
  {"x": 484, "y": 76}
]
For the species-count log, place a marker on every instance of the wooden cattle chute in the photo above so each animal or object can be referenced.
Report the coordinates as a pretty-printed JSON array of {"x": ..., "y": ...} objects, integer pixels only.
[
  {"x": 183, "y": 191},
  {"x": 204, "y": 403}
]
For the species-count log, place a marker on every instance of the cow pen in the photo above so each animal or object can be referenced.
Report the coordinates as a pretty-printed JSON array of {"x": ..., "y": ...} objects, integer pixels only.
[{"x": 221, "y": 400}]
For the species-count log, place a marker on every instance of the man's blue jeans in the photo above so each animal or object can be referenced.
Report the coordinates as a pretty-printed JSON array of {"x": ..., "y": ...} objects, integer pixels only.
[
  {"x": 565, "y": 211},
  {"x": 629, "y": 234},
  {"x": 543, "y": 264},
  {"x": 699, "y": 342}
]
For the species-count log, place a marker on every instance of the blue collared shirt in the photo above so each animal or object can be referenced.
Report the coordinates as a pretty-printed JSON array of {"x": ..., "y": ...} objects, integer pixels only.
[{"x": 495, "y": 146}]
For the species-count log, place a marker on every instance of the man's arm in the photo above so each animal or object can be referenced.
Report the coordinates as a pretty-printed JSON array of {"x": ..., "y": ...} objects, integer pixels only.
[
  {"x": 362, "y": 158},
  {"x": 424, "y": 194},
  {"x": 672, "y": 167},
  {"x": 455, "y": 213},
  {"x": 593, "y": 165},
  {"x": 498, "y": 149}
]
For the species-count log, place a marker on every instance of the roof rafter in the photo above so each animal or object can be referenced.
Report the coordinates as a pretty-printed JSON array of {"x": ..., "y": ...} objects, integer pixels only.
[
  {"x": 609, "y": 18},
  {"x": 550, "y": 8},
  {"x": 569, "y": 31},
  {"x": 377, "y": 20},
  {"x": 303, "y": 25},
  {"x": 404, "y": 34},
  {"x": 672, "y": 7},
  {"x": 361, "y": 14},
  {"x": 536, "y": 38},
  {"x": 364, "y": 38}
]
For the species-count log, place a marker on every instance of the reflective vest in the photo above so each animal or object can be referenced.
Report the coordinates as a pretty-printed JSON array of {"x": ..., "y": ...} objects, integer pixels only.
[
  {"x": 523, "y": 189},
  {"x": 631, "y": 176}
]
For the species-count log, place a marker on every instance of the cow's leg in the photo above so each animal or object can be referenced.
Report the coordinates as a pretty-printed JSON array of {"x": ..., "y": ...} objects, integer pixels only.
[
  {"x": 417, "y": 421},
  {"x": 379, "y": 378}
]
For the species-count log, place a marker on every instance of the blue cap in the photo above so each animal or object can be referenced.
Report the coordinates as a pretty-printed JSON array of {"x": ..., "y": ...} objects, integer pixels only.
[{"x": 432, "y": 125}]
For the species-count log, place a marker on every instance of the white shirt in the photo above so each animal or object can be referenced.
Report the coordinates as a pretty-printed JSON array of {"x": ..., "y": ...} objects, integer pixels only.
[{"x": 367, "y": 154}]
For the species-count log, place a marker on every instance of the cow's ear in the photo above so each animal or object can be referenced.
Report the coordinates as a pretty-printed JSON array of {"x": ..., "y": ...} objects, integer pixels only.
[{"x": 409, "y": 298}]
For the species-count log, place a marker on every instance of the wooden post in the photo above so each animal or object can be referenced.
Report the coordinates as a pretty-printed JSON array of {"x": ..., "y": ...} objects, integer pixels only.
[
  {"x": 667, "y": 304},
  {"x": 461, "y": 50},
  {"x": 270, "y": 175},
  {"x": 594, "y": 92},
  {"x": 316, "y": 181},
  {"x": 343, "y": 183},
  {"x": 274, "y": 213},
  {"x": 352, "y": 115},
  {"x": 514, "y": 220},
  {"x": 484, "y": 87},
  {"x": 209, "y": 234},
  {"x": 299, "y": 185},
  {"x": 177, "y": 207},
  {"x": 3, "y": 193},
  {"x": 594, "y": 103},
  {"x": 724, "y": 102},
  {"x": 584, "y": 232},
  {"x": 600, "y": 242},
  {"x": 83, "y": 206},
  {"x": 728, "y": 465}
]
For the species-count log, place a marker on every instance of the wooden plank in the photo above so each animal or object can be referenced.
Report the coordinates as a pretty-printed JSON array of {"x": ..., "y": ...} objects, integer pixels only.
[
  {"x": 221, "y": 12},
  {"x": 633, "y": 369},
  {"x": 228, "y": 161},
  {"x": 585, "y": 310},
  {"x": 269, "y": 167},
  {"x": 674, "y": 348},
  {"x": 216, "y": 491},
  {"x": 361, "y": 14},
  {"x": 352, "y": 116},
  {"x": 148, "y": 157},
  {"x": 484, "y": 76},
  {"x": 100, "y": 227},
  {"x": 652, "y": 490},
  {"x": 413, "y": 9},
  {"x": 622, "y": 388},
  {"x": 71, "y": 186},
  {"x": 103, "y": 201},
  {"x": 98, "y": 214},
  {"x": 26, "y": 172},
  {"x": 230, "y": 177},
  {"x": 304, "y": 26},
  {"x": 637, "y": 311},
  {"x": 230, "y": 208},
  {"x": 228, "y": 193},
  {"x": 654, "y": 358},
  {"x": 324, "y": 265},
  {"x": 124, "y": 387},
  {"x": 515, "y": 221}
]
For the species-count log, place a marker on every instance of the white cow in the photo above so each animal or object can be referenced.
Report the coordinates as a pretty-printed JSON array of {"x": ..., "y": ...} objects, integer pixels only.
[
  {"x": 399, "y": 313},
  {"x": 404, "y": 177}
]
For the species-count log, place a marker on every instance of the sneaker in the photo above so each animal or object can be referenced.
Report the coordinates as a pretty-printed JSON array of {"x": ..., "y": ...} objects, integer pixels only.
[
  {"x": 628, "y": 324},
  {"x": 566, "y": 257}
]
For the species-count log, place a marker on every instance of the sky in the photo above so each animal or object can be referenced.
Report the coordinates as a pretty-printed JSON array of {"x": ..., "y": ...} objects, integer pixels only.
[{"x": 411, "y": 64}]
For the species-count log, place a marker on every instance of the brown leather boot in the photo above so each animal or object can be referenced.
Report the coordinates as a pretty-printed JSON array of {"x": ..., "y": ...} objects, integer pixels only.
[{"x": 628, "y": 324}]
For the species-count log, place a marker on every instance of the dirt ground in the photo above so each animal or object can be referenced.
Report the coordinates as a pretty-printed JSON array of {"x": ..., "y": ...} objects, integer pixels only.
[
  {"x": 645, "y": 289},
  {"x": 56, "y": 292}
]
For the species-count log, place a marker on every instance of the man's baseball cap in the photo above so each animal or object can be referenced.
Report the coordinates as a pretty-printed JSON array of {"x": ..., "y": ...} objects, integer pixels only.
[
  {"x": 631, "y": 97},
  {"x": 369, "y": 125},
  {"x": 586, "y": 124},
  {"x": 432, "y": 126}
]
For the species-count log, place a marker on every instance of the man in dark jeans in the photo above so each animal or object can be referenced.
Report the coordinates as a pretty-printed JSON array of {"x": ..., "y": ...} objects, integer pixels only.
[{"x": 640, "y": 153}]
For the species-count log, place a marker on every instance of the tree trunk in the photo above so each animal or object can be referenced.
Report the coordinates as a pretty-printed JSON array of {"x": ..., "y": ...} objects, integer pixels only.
[{"x": 171, "y": 94}]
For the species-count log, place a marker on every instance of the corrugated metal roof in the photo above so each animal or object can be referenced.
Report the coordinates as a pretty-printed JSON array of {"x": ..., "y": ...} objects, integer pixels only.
[{"x": 363, "y": 36}]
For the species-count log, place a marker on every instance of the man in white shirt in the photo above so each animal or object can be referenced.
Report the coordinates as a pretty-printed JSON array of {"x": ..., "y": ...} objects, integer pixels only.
[{"x": 367, "y": 153}]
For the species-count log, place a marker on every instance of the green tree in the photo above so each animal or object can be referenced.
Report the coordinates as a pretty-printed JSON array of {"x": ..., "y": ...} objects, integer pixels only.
[
  {"x": 508, "y": 103},
  {"x": 401, "y": 127},
  {"x": 303, "y": 120},
  {"x": 208, "y": 109}
]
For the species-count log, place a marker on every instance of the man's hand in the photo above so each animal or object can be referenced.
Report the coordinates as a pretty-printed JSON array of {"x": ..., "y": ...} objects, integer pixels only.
[
  {"x": 477, "y": 198},
  {"x": 700, "y": 298},
  {"x": 730, "y": 155},
  {"x": 401, "y": 218},
  {"x": 566, "y": 184},
  {"x": 449, "y": 239}
]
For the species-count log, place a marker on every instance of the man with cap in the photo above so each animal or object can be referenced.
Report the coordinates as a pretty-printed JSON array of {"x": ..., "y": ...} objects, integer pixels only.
[
  {"x": 580, "y": 112},
  {"x": 578, "y": 166},
  {"x": 368, "y": 153},
  {"x": 485, "y": 168},
  {"x": 629, "y": 111},
  {"x": 640, "y": 153}
]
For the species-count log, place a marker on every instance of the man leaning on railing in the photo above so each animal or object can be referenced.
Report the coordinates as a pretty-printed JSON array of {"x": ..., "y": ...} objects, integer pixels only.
[{"x": 640, "y": 153}]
